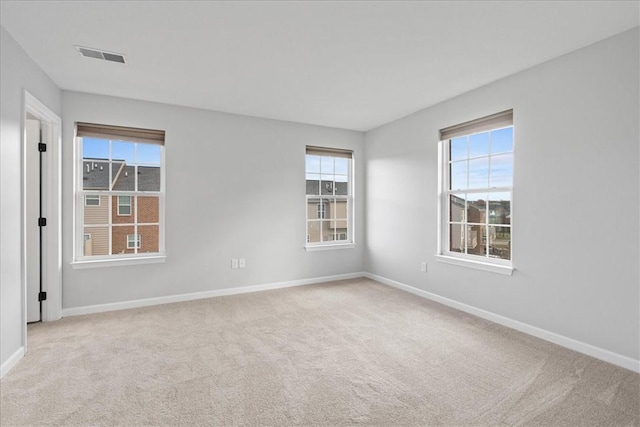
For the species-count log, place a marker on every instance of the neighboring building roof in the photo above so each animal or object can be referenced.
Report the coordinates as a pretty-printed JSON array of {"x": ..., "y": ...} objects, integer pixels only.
[
  {"x": 313, "y": 186},
  {"x": 95, "y": 176}
]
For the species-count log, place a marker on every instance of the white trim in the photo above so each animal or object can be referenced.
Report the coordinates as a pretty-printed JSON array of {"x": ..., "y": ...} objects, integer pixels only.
[
  {"x": 570, "y": 343},
  {"x": 112, "y": 261},
  {"x": 52, "y": 262},
  {"x": 11, "y": 361},
  {"x": 477, "y": 264},
  {"x": 100, "y": 308},
  {"x": 327, "y": 247}
]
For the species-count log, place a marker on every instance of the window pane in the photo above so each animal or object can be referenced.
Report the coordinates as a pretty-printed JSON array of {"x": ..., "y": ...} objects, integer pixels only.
[
  {"x": 148, "y": 178},
  {"x": 93, "y": 148},
  {"x": 457, "y": 207},
  {"x": 95, "y": 174},
  {"x": 96, "y": 241},
  {"x": 500, "y": 242},
  {"x": 97, "y": 213},
  {"x": 457, "y": 237},
  {"x": 458, "y": 148},
  {"x": 317, "y": 208},
  {"x": 476, "y": 243},
  {"x": 119, "y": 235},
  {"x": 479, "y": 173},
  {"x": 124, "y": 177},
  {"x": 502, "y": 140},
  {"x": 340, "y": 211},
  {"x": 342, "y": 166},
  {"x": 148, "y": 154},
  {"x": 312, "y": 164},
  {"x": 326, "y": 185},
  {"x": 150, "y": 238},
  {"x": 326, "y": 165},
  {"x": 123, "y": 151},
  {"x": 313, "y": 184},
  {"x": 476, "y": 208},
  {"x": 479, "y": 144},
  {"x": 327, "y": 231},
  {"x": 313, "y": 231},
  {"x": 502, "y": 170},
  {"x": 458, "y": 177},
  {"x": 500, "y": 208},
  {"x": 342, "y": 187},
  {"x": 148, "y": 209}
]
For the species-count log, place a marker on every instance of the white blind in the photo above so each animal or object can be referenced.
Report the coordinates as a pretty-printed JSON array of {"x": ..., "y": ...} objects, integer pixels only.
[{"x": 493, "y": 121}]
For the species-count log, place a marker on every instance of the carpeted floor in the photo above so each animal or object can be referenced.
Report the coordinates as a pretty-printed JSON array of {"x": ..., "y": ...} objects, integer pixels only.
[{"x": 350, "y": 352}]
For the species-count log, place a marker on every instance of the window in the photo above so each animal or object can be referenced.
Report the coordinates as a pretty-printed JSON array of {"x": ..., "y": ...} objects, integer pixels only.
[
  {"x": 92, "y": 200},
  {"x": 321, "y": 210},
  {"x": 477, "y": 191},
  {"x": 120, "y": 178},
  {"x": 124, "y": 205},
  {"x": 329, "y": 196},
  {"x": 134, "y": 241}
]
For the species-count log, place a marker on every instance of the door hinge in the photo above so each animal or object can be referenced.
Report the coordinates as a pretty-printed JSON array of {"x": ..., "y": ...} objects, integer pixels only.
[
  {"x": 42, "y": 296},
  {"x": 42, "y": 147},
  {"x": 42, "y": 222}
]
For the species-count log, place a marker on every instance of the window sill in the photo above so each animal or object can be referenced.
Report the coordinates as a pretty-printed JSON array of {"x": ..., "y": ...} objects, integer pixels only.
[
  {"x": 478, "y": 265},
  {"x": 118, "y": 262},
  {"x": 329, "y": 247}
]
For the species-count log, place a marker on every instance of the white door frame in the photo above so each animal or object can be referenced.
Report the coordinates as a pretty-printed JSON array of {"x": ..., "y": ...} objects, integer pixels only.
[{"x": 52, "y": 262}]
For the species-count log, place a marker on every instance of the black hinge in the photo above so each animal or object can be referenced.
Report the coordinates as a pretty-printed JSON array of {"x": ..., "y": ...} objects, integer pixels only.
[
  {"x": 42, "y": 222},
  {"x": 42, "y": 296},
  {"x": 42, "y": 147}
]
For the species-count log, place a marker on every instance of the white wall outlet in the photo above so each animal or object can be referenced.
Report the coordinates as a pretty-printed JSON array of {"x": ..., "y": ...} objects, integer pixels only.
[
  {"x": 242, "y": 263},
  {"x": 234, "y": 263},
  {"x": 423, "y": 266}
]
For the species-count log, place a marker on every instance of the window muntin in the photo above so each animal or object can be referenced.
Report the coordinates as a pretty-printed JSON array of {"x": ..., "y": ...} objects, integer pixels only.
[
  {"x": 329, "y": 199},
  {"x": 126, "y": 176},
  {"x": 477, "y": 190}
]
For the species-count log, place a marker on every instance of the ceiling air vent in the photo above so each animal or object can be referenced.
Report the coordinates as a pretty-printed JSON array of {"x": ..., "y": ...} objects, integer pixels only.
[{"x": 88, "y": 52}]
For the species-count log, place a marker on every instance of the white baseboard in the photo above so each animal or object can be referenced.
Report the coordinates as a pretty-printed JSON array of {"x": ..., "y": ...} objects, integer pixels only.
[
  {"x": 570, "y": 343},
  {"x": 11, "y": 361},
  {"x": 89, "y": 309}
]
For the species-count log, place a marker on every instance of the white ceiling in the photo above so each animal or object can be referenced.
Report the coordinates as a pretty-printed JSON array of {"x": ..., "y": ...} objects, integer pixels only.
[{"x": 353, "y": 65}]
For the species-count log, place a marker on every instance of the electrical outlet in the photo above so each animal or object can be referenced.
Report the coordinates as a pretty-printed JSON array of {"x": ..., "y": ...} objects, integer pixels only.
[
  {"x": 423, "y": 266},
  {"x": 242, "y": 263},
  {"x": 234, "y": 263}
]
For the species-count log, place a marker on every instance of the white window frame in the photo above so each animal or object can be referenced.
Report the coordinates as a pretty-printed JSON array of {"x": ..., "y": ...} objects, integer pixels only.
[
  {"x": 116, "y": 259},
  {"x": 122, "y": 205},
  {"x": 91, "y": 197},
  {"x": 137, "y": 241},
  {"x": 349, "y": 242},
  {"x": 481, "y": 262}
]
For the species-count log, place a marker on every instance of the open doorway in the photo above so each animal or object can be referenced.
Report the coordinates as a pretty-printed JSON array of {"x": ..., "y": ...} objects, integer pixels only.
[{"x": 41, "y": 249}]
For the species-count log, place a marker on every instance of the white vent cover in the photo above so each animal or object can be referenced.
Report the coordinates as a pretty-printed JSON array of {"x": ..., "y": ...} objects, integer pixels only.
[{"x": 89, "y": 52}]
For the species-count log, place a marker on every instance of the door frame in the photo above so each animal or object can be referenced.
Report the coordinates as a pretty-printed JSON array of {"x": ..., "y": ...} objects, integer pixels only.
[{"x": 51, "y": 126}]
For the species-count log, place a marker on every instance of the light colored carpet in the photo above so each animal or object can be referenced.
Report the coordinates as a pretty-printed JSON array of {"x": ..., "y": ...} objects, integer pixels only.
[{"x": 350, "y": 352}]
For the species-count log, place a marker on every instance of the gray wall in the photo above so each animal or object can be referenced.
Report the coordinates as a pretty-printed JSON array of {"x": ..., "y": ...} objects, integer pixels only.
[
  {"x": 235, "y": 189},
  {"x": 17, "y": 73},
  {"x": 576, "y": 188}
]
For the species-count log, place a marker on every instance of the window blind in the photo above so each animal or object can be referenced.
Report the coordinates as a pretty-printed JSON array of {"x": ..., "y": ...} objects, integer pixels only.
[
  {"x": 493, "y": 121},
  {"x": 120, "y": 133},
  {"x": 333, "y": 152}
]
